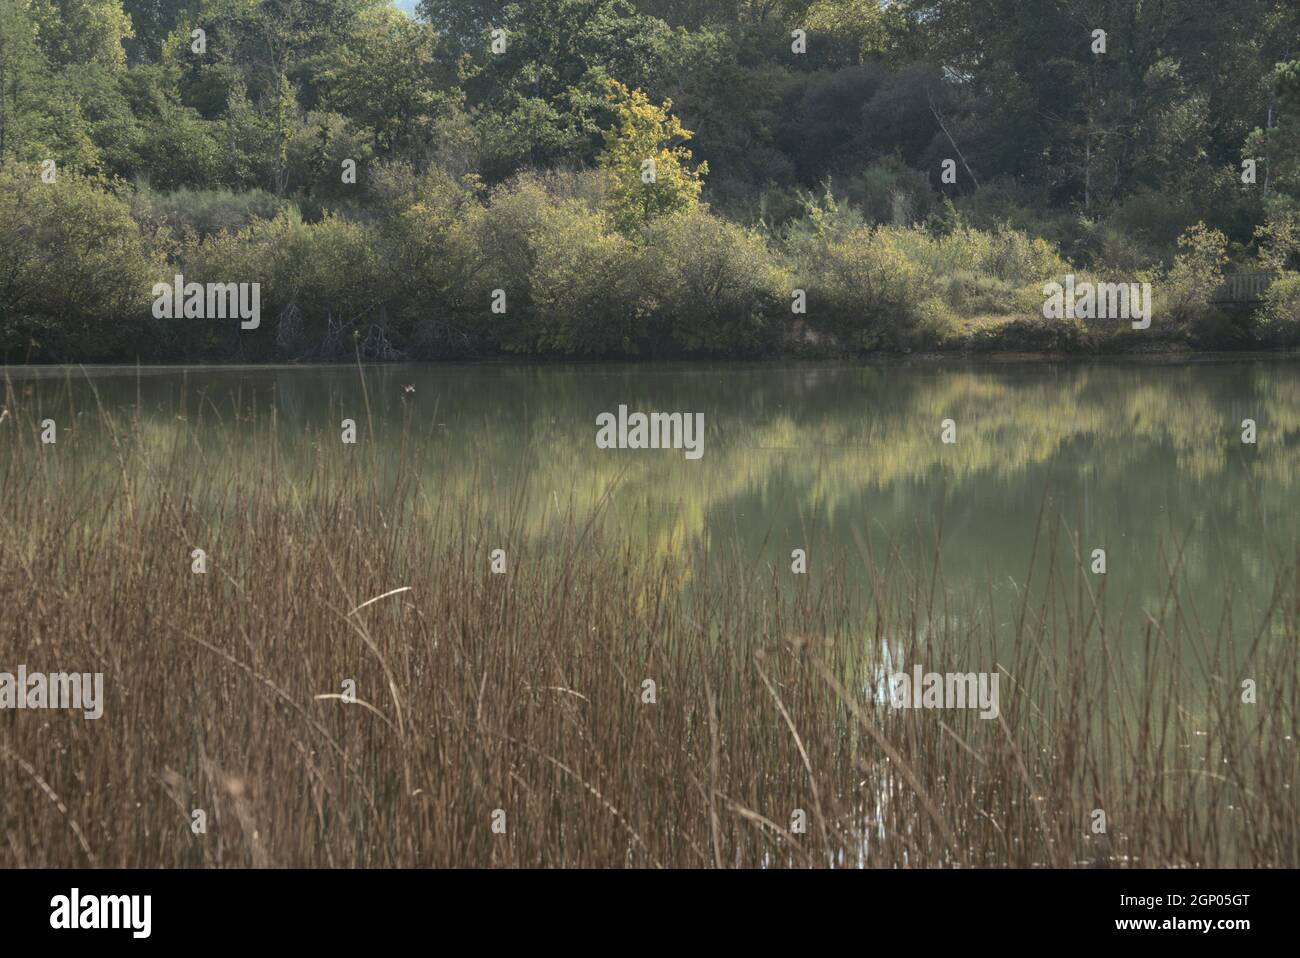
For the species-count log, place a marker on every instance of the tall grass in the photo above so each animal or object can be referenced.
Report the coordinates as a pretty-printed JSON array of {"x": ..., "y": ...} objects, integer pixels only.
[{"x": 524, "y": 691}]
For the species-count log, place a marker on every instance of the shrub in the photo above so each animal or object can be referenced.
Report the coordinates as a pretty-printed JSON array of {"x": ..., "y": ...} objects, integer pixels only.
[
  {"x": 500, "y": 245},
  {"x": 868, "y": 292},
  {"x": 1279, "y": 319},
  {"x": 568, "y": 281},
  {"x": 315, "y": 153},
  {"x": 320, "y": 288},
  {"x": 1197, "y": 272},
  {"x": 887, "y": 287},
  {"x": 1279, "y": 240},
  {"x": 425, "y": 234},
  {"x": 976, "y": 294},
  {"x": 585, "y": 287},
  {"x": 1030, "y": 334},
  {"x": 889, "y": 192},
  {"x": 714, "y": 285},
  {"x": 205, "y": 212},
  {"x": 77, "y": 273}
]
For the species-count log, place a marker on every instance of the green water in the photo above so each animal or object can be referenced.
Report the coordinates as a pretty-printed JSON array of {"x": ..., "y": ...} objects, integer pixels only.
[{"x": 1144, "y": 460}]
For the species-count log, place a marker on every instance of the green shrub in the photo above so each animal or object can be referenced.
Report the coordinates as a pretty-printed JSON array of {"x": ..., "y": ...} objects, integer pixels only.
[
  {"x": 1279, "y": 240},
  {"x": 205, "y": 212},
  {"x": 1031, "y": 334},
  {"x": 889, "y": 192},
  {"x": 1185, "y": 291},
  {"x": 975, "y": 294},
  {"x": 584, "y": 286},
  {"x": 867, "y": 286},
  {"x": 1279, "y": 318},
  {"x": 315, "y": 152},
  {"x": 425, "y": 232},
  {"x": 868, "y": 292},
  {"x": 714, "y": 286},
  {"x": 77, "y": 271},
  {"x": 320, "y": 288}
]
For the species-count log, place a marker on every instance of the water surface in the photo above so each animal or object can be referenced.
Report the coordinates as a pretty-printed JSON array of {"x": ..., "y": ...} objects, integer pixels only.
[{"x": 1143, "y": 460}]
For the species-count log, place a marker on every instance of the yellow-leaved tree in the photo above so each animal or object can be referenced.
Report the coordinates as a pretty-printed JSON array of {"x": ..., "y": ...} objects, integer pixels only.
[{"x": 646, "y": 161}]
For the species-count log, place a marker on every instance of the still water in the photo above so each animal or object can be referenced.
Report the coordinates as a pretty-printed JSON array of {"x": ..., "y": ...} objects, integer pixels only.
[{"x": 1143, "y": 460}]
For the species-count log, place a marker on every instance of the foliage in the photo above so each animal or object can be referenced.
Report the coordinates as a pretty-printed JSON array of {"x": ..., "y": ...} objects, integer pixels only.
[
  {"x": 1280, "y": 317},
  {"x": 646, "y": 161},
  {"x": 521, "y": 166},
  {"x": 1196, "y": 274},
  {"x": 714, "y": 287},
  {"x": 75, "y": 270}
]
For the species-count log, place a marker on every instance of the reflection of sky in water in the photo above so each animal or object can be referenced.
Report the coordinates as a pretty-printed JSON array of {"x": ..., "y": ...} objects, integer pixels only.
[{"x": 843, "y": 461}]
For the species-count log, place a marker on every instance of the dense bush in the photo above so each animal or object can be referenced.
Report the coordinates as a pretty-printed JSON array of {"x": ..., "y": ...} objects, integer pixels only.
[
  {"x": 205, "y": 212},
  {"x": 714, "y": 287},
  {"x": 587, "y": 288},
  {"x": 1196, "y": 274},
  {"x": 424, "y": 231},
  {"x": 413, "y": 270},
  {"x": 1279, "y": 320},
  {"x": 905, "y": 287},
  {"x": 870, "y": 293},
  {"x": 463, "y": 153},
  {"x": 75, "y": 269},
  {"x": 1183, "y": 295},
  {"x": 320, "y": 285}
]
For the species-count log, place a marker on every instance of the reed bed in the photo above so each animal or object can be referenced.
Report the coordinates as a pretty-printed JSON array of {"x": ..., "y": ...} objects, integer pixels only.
[{"x": 524, "y": 692}]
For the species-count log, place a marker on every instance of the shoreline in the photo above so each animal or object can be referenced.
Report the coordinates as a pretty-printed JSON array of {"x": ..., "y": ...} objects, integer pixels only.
[{"x": 1161, "y": 357}]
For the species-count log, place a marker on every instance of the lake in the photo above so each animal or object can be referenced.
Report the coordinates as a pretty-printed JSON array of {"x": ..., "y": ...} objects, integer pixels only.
[{"x": 1139, "y": 459}]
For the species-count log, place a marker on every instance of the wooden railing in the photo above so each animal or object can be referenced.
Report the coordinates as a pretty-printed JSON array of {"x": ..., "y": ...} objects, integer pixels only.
[{"x": 1242, "y": 288}]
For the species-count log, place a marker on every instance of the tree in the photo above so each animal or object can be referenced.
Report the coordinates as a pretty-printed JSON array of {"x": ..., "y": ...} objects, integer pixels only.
[
  {"x": 541, "y": 93},
  {"x": 22, "y": 69},
  {"x": 390, "y": 75},
  {"x": 646, "y": 161},
  {"x": 1279, "y": 144},
  {"x": 151, "y": 22},
  {"x": 83, "y": 31}
]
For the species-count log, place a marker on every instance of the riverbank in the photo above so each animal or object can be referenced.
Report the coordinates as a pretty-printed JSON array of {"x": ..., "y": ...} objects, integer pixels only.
[
  {"x": 957, "y": 355},
  {"x": 437, "y": 270}
]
